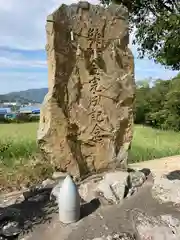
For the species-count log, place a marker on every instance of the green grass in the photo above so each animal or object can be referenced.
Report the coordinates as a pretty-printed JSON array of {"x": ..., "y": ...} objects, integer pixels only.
[
  {"x": 149, "y": 143},
  {"x": 17, "y": 141},
  {"x": 18, "y": 150},
  {"x": 19, "y": 159}
]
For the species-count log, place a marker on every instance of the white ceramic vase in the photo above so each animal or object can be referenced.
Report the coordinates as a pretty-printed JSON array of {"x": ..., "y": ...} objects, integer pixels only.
[{"x": 69, "y": 201}]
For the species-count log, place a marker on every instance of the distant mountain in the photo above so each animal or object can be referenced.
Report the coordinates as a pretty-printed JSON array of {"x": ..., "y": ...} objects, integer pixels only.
[{"x": 30, "y": 95}]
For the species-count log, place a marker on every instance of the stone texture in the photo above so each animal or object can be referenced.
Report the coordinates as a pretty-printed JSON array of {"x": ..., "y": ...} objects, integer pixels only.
[
  {"x": 59, "y": 175},
  {"x": 121, "y": 236},
  {"x": 164, "y": 227},
  {"x": 11, "y": 229},
  {"x": 87, "y": 116},
  {"x": 11, "y": 198},
  {"x": 118, "y": 185},
  {"x": 86, "y": 190},
  {"x": 141, "y": 215},
  {"x": 166, "y": 190},
  {"x": 136, "y": 179},
  {"x": 112, "y": 187},
  {"x": 48, "y": 183}
]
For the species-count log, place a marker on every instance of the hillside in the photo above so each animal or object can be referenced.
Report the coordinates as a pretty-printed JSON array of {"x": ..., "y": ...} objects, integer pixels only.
[{"x": 30, "y": 95}]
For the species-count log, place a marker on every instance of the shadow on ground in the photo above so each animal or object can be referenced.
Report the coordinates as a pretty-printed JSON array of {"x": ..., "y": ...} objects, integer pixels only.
[
  {"x": 34, "y": 210},
  {"x": 89, "y": 207},
  {"x": 174, "y": 175}
]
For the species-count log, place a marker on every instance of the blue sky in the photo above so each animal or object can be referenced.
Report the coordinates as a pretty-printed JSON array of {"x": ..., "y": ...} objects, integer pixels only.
[{"x": 22, "y": 40}]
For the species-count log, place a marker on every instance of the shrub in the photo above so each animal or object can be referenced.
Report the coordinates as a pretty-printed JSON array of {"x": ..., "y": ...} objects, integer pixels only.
[{"x": 159, "y": 105}]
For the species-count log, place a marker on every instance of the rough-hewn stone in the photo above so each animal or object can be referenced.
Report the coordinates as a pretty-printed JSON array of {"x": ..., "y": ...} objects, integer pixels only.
[
  {"x": 87, "y": 116},
  {"x": 157, "y": 228},
  {"x": 165, "y": 190},
  {"x": 112, "y": 187}
]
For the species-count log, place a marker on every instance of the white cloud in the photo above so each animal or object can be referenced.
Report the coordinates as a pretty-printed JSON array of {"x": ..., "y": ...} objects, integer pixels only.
[
  {"x": 16, "y": 59},
  {"x": 22, "y": 22},
  {"x": 22, "y": 63},
  {"x": 17, "y": 81}
]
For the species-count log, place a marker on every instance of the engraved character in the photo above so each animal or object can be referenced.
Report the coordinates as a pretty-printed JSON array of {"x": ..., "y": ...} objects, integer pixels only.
[{"x": 95, "y": 100}]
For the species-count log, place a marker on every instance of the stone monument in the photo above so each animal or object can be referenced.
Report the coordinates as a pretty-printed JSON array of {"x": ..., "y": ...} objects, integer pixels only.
[{"x": 87, "y": 116}]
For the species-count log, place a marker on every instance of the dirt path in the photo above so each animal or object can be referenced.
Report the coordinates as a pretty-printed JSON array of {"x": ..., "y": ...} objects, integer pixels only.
[{"x": 162, "y": 165}]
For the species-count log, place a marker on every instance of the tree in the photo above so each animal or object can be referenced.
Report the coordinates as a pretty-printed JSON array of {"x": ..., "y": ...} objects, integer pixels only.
[
  {"x": 172, "y": 105},
  {"x": 159, "y": 105},
  {"x": 143, "y": 83},
  {"x": 157, "y": 29},
  {"x": 142, "y": 107},
  {"x": 157, "y": 113}
]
